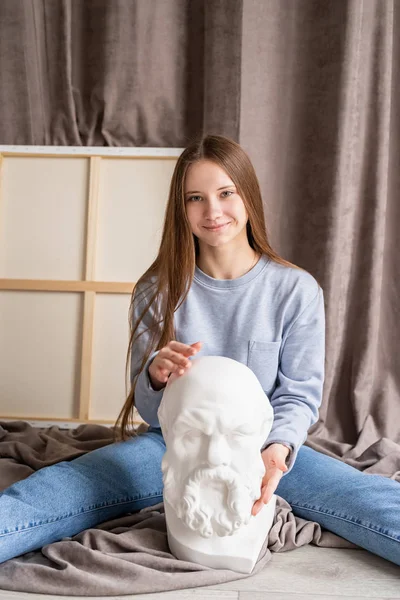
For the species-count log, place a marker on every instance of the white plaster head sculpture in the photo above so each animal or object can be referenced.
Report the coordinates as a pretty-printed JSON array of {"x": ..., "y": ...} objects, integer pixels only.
[{"x": 214, "y": 420}]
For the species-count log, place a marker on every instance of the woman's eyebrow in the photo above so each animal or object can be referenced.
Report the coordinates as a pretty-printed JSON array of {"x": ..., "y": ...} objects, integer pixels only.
[{"x": 221, "y": 188}]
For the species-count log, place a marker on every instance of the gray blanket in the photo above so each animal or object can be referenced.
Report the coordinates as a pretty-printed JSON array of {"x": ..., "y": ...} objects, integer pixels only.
[{"x": 129, "y": 555}]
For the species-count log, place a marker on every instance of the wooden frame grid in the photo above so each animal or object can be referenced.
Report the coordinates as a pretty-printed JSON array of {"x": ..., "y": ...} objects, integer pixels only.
[{"x": 88, "y": 286}]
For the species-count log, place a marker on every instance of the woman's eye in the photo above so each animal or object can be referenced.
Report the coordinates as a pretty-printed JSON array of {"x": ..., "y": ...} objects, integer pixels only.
[{"x": 197, "y": 198}]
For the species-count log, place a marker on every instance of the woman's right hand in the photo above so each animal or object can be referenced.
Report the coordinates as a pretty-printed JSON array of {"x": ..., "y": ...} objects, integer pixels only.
[{"x": 172, "y": 358}]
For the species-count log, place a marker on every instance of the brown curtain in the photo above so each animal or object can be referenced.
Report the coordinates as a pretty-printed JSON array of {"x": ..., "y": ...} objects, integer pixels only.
[
  {"x": 320, "y": 117},
  {"x": 150, "y": 73},
  {"x": 310, "y": 88}
]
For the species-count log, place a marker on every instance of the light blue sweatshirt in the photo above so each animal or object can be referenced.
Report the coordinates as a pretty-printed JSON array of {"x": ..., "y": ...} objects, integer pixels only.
[{"x": 272, "y": 319}]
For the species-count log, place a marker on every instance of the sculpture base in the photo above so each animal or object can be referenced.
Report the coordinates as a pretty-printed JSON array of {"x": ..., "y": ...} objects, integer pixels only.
[{"x": 238, "y": 552}]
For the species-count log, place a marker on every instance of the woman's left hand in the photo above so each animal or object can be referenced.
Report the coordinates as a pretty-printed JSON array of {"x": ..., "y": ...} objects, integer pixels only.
[{"x": 274, "y": 460}]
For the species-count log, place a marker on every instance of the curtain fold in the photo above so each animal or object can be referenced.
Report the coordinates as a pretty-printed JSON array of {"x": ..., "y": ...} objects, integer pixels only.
[
  {"x": 310, "y": 89},
  {"x": 120, "y": 73},
  {"x": 324, "y": 137}
]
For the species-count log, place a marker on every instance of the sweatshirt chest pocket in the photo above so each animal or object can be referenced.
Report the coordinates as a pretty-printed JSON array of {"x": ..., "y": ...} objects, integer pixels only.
[{"x": 263, "y": 360}]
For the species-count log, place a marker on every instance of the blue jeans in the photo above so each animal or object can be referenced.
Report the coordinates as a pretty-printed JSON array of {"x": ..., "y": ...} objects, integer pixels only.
[{"x": 62, "y": 500}]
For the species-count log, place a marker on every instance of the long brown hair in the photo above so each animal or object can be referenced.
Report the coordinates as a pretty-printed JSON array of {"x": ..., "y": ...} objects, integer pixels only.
[{"x": 173, "y": 270}]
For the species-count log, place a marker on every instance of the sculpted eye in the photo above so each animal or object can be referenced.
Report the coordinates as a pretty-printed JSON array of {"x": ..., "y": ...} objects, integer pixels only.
[
  {"x": 238, "y": 434},
  {"x": 241, "y": 435},
  {"x": 193, "y": 434}
]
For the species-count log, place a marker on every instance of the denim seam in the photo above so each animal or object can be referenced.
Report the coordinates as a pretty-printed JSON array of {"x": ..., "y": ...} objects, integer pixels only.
[
  {"x": 371, "y": 527},
  {"x": 68, "y": 516}
]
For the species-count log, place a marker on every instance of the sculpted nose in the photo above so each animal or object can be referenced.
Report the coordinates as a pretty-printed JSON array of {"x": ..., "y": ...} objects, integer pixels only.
[{"x": 218, "y": 451}]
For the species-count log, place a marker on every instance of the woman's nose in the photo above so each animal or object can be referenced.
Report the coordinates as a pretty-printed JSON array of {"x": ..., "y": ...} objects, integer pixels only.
[
  {"x": 218, "y": 452},
  {"x": 213, "y": 209}
]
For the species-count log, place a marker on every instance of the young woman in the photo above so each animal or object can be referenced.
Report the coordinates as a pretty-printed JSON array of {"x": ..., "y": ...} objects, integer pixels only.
[{"x": 217, "y": 288}]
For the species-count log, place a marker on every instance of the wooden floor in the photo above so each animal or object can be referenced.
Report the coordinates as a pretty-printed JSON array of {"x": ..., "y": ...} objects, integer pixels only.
[{"x": 307, "y": 573}]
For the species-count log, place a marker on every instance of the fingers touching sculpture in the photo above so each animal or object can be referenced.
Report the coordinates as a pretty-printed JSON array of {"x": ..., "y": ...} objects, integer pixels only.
[{"x": 214, "y": 420}]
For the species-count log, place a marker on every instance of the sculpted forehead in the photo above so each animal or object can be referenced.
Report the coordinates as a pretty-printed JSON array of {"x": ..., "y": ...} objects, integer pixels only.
[
  {"x": 220, "y": 384},
  {"x": 224, "y": 422},
  {"x": 212, "y": 377}
]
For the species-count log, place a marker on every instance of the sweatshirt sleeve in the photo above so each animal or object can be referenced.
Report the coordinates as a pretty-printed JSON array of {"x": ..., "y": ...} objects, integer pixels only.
[
  {"x": 147, "y": 400},
  {"x": 298, "y": 393}
]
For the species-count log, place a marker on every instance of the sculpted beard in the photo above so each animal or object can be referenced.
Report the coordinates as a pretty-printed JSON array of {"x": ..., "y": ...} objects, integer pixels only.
[{"x": 187, "y": 498}]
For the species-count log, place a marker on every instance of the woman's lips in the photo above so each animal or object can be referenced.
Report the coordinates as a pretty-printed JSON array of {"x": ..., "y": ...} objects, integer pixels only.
[{"x": 219, "y": 228}]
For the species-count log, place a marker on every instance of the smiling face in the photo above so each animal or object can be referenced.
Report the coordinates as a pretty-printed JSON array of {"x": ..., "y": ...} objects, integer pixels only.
[
  {"x": 216, "y": 212},
  {"x": 214, "y": 419}
]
